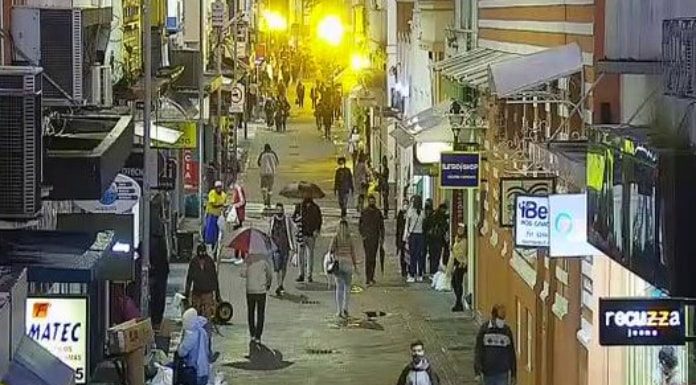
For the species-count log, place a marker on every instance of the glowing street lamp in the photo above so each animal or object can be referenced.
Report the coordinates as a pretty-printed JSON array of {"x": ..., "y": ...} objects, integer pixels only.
[
  {"x": 330, "y": 29},
  {"x": 359, "y": 62},
  {"x": 275, "y": 21}
]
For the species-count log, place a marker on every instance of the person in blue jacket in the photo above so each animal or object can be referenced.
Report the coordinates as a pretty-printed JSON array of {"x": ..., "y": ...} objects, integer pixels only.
[{"x": 194, "y": 348}]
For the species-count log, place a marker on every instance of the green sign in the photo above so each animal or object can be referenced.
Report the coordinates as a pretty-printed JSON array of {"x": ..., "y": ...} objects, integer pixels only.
[{"x": 188, "y": 138}]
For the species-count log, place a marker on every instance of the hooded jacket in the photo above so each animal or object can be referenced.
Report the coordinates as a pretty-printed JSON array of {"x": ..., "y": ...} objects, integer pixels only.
[
  {"x": 258, "y": 274},
  {"x": 194, "y": 343},
  {"x": 421, "y": 373}
]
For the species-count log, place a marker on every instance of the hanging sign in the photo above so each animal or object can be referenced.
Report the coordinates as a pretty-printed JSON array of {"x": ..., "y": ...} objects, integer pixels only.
[
  {"x": 119, "y": 198},
  {"x": 641, "y": 321},
  {"x": 531, "y": 221},
  {"x": 511, "y": 187},
  {"x": 59, "y": 324},
  {"x": 237, "y": 99},
  {"x": 459, "y": 169},
  {"x": 568, "y": 226},
  {"x": 190, "y": 171}
]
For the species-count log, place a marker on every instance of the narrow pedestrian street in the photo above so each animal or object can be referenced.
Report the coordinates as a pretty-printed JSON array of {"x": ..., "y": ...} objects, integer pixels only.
[{"x": 302, "y": 327}]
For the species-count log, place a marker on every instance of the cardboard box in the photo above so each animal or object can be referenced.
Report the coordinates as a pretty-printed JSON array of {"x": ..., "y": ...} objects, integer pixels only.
[{"x": 130, "y": 336}]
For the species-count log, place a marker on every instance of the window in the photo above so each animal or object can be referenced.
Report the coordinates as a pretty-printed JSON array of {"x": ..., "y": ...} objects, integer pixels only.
[
  {"x": 518, "y": 330},
  {"x": 530, "y": 340}
]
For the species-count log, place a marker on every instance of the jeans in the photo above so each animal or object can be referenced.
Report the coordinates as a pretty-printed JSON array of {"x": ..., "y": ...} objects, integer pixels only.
[
  {"x": 434, "y": 253},
  {"x": 458, "y": 285},
  {"x": 497, "y": 379},
  {"x": 256, "y": 312},
  {"x": 416, "y": 245},
  {"x": 307, "y": 256},
  {"x": 371, "y": 246},
  {"x": 344, "y": 280},
  {"x": 343, "y": 202}
]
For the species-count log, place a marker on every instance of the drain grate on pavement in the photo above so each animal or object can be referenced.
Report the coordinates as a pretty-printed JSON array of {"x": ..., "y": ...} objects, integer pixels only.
[
  {"x": 309, "y": 302},
  {"x": 320, "y": 352}
]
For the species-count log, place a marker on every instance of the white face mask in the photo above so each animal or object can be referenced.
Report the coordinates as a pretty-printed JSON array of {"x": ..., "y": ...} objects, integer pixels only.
[
  {"x": 499, "y": 323},
  {"x": 405, "y": 207}
]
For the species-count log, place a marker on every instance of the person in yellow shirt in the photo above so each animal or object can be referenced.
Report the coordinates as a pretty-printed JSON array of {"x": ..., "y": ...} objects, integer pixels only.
[
  {"x": 457, "y": 267},
  {"x": 213, "y": 210}
]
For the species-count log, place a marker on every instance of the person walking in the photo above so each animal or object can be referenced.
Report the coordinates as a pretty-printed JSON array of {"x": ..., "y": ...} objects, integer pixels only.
[
  {"x": 384, "y": 185},
  {"x": 400, "y": 243},
  {"x": 437, "y": 229},
  {"x": 419, "y": 371},
  {"x": 238, "y": 203},
  {"x": 202, "y": 286},
  {"x": 494, "y": 354},
  {"x": 343, "y": 185},
  {"x": 362, "y": 180},
  {"x": 313, "y": 96},
  {"x": 269, "y": 108},
  {"x": 259, "y": 277},
  {"x": 327, "y": 119},
  {"x": 217, "y": 199},
  {"x": 300, "y": 90},
  {"x": 372, "y": 232},
  {"x": 344, "y": 253},
  {"x": 281, "y": 230},
  {"x": 457, "y": 267},
  {"x": 353, "y": 144},
  {"x": 268, "y": 163},
  {"x": 413, "y": 234},
  {"x": 283, "y": 113},
  {"x": 310, "y": 219}
]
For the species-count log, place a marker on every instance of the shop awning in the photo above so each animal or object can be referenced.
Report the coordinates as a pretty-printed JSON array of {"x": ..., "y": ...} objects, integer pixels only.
[
  {"x": 158, "y": 132},
  {"x": 402, "y": 138},
  {"x": 471, "y": 68},
  {"x": 512, "y": 76}
]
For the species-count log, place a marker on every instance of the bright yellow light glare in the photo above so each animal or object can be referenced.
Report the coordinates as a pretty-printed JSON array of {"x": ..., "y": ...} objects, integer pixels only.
[
  {"x": 330, "y": 29},
  {"x": 275, "y": 21},
  {"x": 359, "y": 62}
]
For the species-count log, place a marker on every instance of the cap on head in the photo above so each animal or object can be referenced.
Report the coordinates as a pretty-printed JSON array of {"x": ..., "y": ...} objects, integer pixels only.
[{"x": 218, "y": 184}]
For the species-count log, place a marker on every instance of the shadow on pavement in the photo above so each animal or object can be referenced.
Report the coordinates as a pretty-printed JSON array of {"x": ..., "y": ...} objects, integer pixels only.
[
  {"x": 314, "y": 286},
  {"x": 261, "y": 357},
  {"x": 359, "y": 323},
  {"x": 294, "y": 298}
]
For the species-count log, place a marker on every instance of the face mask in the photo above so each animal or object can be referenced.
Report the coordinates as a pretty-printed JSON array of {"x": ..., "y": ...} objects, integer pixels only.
[{"x": 499, "y": 323}]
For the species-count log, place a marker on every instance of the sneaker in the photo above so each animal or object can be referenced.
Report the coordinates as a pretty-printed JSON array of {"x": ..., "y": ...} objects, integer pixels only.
[
  {"x": 345, "y": 314},
  {"x": 310, "y": 279},
  {"x": 279, "y": 292},
  {"x": 257, "y": 340},
  {"x": 410, "y": 279},
  {"x": 282, "y": 290},
  {"x": 419, "y": 279},
  {"x": 458, "y": 308},
  {"x": 300, "y": 279}
]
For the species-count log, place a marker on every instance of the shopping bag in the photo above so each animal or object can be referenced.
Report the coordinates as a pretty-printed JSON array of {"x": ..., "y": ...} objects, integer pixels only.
[
  {"x": 440, "y": 282},
  {"x": 164, "y": 376},
  {"x": 232, "y": 217}
]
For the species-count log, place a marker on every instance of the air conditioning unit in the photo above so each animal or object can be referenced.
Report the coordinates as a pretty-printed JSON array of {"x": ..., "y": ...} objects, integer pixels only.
[
  {"x": 65, "y": 42},
  {"x": 102, "y": 88},
  {"x": 21, "y": 146}
]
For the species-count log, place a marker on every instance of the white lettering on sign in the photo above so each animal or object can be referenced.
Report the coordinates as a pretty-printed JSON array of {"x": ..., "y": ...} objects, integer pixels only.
[
  {"x": 460, "y": 166},
  {"x": 644, "y": 318}
]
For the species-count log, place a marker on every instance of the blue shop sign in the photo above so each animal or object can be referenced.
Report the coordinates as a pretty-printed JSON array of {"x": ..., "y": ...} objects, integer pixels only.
[{"x": 460, "y": 170}]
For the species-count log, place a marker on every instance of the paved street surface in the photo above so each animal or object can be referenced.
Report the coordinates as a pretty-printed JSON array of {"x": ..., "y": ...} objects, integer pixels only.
[{"x": 310, "y": 345}]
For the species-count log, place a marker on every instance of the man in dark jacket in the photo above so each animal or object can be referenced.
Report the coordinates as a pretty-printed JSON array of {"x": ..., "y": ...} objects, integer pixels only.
[
  {"x": 372, "y": 231},
  {"x": 311, "y": 220},
  {"x": 202, "y": 288},
  {"x": 418, "y": 371},
  {"x": 495, "y": 358},
  {"x": 400, "y": 244},
  {"x": 343, "y": 184},
  {"x": 437, "y": 227}
]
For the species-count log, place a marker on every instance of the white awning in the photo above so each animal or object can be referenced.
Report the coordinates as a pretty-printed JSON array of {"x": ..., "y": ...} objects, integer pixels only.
[
  {"x": 430, "y": 117},
  {"x": 402, "y": 138},
  {"x": 513, "y": 76},
  {"x": 471, "y": 68},
  {"x": 158, "y": 133}
]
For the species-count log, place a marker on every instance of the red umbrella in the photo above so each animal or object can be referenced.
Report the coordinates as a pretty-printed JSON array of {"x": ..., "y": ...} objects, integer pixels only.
[{"x": 249, "y": 240}]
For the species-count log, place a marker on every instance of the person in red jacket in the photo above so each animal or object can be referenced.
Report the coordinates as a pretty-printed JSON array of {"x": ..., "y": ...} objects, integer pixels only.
[{"x": 238, "y": 201}]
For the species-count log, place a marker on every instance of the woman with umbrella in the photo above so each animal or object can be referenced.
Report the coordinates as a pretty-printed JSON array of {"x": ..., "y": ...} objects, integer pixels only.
[
  {"x": 258, "y": 273},
  {"x": 281, "y": 230}
]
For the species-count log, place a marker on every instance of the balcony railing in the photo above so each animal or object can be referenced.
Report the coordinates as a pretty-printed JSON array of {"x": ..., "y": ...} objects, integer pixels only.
[{"x": 679, "y": 57}]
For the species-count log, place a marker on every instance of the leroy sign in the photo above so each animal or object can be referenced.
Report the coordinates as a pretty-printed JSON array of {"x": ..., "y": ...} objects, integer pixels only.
[{"x": 459, "y": 170}]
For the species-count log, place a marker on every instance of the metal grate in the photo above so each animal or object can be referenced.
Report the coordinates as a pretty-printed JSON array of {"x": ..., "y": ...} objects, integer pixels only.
[
  {"x": 57, "y": 51},
  {"x": 679, "y": 57}
]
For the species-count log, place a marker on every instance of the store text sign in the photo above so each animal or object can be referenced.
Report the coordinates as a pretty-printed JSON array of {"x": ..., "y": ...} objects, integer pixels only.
[
  {"x": 641, "y": 321},
  {"x": 459, "y": 170},
  {"x": 59, "y": 324},
  {"x": 531, "y": 221}
]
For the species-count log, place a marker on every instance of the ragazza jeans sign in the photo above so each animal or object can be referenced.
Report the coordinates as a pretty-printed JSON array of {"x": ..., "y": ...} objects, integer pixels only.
[{"x": 641, "y": 321}]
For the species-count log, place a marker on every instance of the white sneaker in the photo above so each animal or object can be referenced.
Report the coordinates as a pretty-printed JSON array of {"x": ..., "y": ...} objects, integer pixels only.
[
  {"x": 419, "y": 279},
  {"x": 410, "y": 279}
]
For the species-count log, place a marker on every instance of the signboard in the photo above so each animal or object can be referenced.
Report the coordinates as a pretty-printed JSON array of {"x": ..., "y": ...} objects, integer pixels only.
[
  {"x": 531, "y": 221},
  {"x": 59, "y": 324},
  {"x": 237, "y": 99},
  {"x": 641, "y": 321},
  {"x": 165, "y": 167},
  {"x": 119, "y": 198},
  {"x": 568, "y": 226},
  {"x": 459, "y": 169},
  {"x": 511, "y": 187},
  {"x": 188, "y": 138},
  {"x": 217, "y": 17},
  {"x": 190, "y": 171}
]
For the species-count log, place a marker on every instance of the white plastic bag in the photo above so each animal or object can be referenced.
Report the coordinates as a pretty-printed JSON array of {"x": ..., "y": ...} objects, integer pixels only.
[
  {"x": 295, "y": 259},
  {"x": 440, "y": 282},
  {"x": 232, "y": 216},
  {"x": 164, "y": 376}
]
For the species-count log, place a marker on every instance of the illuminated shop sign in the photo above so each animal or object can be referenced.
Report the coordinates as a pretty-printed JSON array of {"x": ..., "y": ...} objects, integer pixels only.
[
  {"x": 531, "y": 221},
  {"x": 459, "y": 170},
  {"x": 641, "y": 321},
  {"x": 59, "y": 324}
]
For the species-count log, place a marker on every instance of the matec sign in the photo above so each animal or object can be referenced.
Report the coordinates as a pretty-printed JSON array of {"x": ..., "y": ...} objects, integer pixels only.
[{"x": 641, "y": 321}]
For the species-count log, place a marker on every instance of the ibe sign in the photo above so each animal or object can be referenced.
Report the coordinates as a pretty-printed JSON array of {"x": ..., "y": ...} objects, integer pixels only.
[
  {"x": 59, "y": 324},
  {"x": 531, "y": 221}
]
